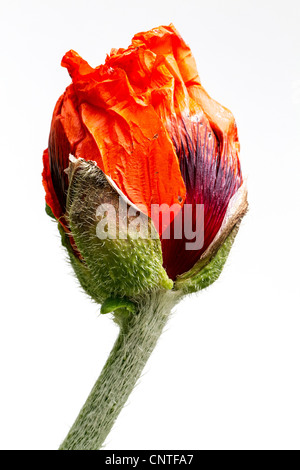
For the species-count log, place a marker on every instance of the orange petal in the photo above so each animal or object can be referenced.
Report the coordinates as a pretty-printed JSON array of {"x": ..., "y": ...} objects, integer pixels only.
[{"x": 136, "y": 150}]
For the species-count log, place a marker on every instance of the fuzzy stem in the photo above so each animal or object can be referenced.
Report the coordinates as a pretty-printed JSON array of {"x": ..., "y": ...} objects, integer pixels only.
[{"x": 138, "y": 336}]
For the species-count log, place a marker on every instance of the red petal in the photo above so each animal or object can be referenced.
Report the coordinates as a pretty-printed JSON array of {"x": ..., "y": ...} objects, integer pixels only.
[{"x": 51, "y": 198}]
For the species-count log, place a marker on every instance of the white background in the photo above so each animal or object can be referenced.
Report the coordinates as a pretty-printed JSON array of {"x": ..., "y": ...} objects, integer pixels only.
[{"x": 225, "y": 374}]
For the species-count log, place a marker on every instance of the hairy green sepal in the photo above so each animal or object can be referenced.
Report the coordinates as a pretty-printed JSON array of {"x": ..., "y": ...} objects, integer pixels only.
[
  {"x": 110, "y": 268},
  {"x": 206, "y": 270}
]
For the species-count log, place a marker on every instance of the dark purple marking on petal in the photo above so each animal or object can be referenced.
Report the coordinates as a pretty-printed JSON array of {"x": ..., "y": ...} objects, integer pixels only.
[{"x": 212, "y": 176}]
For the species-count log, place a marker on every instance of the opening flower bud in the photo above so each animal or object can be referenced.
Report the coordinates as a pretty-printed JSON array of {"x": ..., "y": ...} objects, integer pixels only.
[{"x": 166, "y": 147}]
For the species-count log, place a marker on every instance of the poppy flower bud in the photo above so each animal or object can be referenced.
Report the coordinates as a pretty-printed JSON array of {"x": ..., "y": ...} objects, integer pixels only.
[{"x": 142, "y": 128}]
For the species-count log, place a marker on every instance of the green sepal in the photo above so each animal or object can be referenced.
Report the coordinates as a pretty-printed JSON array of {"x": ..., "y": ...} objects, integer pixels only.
[
  {"x": 206, "y": 271},
  {"x": 82, "y": 272},
  {"x": 118, "y": 267},
  {"x": 49, "y": 212},
  {"x": 113, "y": 304}
]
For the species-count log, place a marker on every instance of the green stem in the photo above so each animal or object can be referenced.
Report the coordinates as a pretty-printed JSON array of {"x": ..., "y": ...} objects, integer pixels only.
[{"x": 138, "y": 336}]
